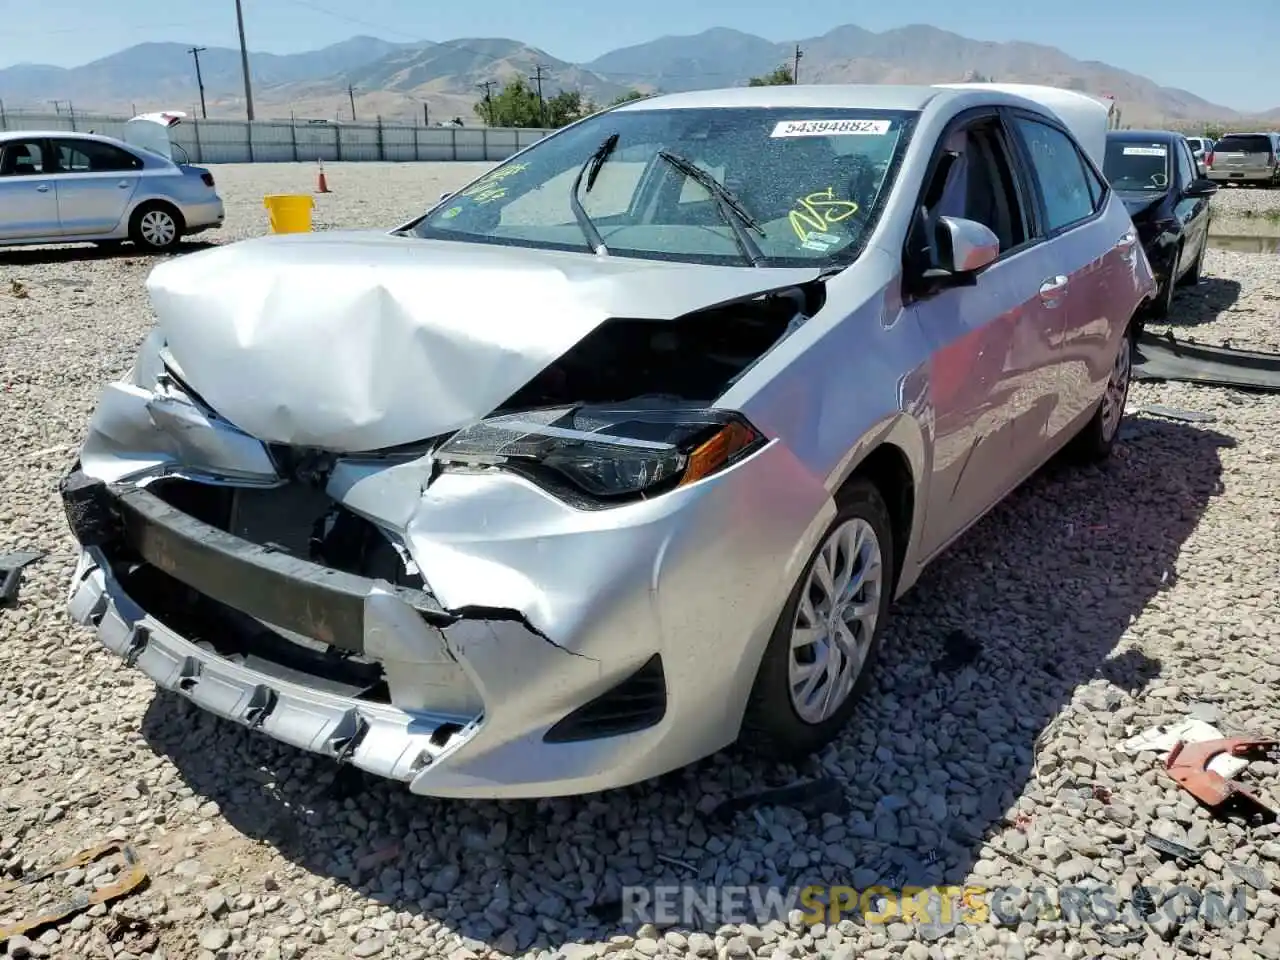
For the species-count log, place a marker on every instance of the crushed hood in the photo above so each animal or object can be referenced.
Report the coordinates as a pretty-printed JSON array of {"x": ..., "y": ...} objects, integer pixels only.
[{"x": 353, "y": 341}]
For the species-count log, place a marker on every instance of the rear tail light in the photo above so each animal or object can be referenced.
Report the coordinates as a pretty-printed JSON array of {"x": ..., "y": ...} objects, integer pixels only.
[
  {"x": 1208, "y": 159},
  {"x": 207, "y": 178}
]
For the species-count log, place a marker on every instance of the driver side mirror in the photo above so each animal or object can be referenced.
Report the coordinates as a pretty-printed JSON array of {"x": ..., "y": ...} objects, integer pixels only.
[
  {"x": 1201, "y": 187},
  {"x": 962, "y": 250}
]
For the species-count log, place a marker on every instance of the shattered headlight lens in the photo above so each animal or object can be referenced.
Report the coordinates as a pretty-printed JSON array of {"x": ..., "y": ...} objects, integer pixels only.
[{"x": 611, "y": 451}]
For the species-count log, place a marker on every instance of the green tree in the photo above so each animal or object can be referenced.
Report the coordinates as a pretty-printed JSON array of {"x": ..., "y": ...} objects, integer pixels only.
[
  {"x": 1214, "y": 132},
  {"x": 627, "y": 97},
  {"x": 516, "y": 105},
  {"x": 566, "y": 107},
  {"x": 780, "y": 77}
]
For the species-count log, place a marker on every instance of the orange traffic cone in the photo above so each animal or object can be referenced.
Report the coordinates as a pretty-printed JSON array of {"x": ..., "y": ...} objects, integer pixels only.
[{"x": 322, "y": 185}]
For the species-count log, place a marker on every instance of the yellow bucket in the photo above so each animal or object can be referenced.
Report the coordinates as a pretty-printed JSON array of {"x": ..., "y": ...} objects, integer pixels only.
[{"x": 290, "y": 213}]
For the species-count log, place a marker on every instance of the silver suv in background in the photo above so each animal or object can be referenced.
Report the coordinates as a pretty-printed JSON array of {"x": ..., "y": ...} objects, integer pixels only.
[
  {"x": 1201, "y": 150},
  {"x": 1246, "y": 158}
]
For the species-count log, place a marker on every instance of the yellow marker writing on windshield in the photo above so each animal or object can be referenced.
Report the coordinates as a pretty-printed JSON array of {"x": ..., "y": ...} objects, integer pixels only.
[
  {"x": 818, "y": 211},
  {"x": 485, "y": 187}
]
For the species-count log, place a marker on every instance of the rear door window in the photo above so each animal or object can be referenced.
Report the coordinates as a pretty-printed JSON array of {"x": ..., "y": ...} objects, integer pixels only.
[
  {"x": 90, "y": 156},
  {"x": 1068, "y": 195}
]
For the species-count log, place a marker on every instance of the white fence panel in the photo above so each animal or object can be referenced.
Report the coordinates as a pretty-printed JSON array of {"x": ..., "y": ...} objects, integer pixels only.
[{"x": 279, "y": 141}]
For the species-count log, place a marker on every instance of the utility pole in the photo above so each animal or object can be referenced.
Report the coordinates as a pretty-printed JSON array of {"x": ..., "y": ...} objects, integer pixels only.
[
  {"x": 195, "y": 52},
  {"x": 244, "y": 64},
  {"x": 351, "y": 95},
  {"x": 488, "y": 100},
  {"x": 795, "y": 69},
  {"x": 57, "y": 106},
  {"x": 542, "y": 104},
  {"x": 426, "y": 114}
]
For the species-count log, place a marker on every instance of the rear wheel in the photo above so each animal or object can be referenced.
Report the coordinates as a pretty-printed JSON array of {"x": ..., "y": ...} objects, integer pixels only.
[
  {"x": 156, "y": 226},
  {"x": 819, "y": 658},
  {"x": 1096, "y": 441}
]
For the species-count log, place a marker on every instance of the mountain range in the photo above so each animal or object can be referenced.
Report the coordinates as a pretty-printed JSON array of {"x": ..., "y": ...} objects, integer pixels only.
[{"x": 395, "y": 80}]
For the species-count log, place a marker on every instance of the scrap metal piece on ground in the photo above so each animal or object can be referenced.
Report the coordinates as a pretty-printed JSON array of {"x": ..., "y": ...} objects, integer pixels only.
[
  {"x": 812, "y": 798},
  {"x": 1167, "y": 358},
  {"x": 1162, "y": 739},
  {"x": 1173, "y": 413},
  {"x": 133, "y": 876},
  {"x": 11, "y": 567},
  {"x": 1171, "y": 848},
  {"x": 1188, "y": 764}
]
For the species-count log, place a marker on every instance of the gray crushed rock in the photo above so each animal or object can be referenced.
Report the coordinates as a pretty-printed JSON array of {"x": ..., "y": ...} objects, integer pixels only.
[{"x": 1106, "y": 600}]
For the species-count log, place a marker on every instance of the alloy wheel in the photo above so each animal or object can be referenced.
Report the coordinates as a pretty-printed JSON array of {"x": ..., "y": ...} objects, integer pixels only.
[
  {"x": 835, "y": 621},
  {"x": 1117, "y": 392}
]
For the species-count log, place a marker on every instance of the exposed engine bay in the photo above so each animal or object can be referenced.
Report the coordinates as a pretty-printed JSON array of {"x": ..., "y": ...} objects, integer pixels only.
[{"x": 695, "y": 357}]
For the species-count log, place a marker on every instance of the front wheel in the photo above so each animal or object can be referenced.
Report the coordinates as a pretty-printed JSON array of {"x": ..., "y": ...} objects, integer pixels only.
[
  {"x": 819, "y": 658},
  {"x": 1192, "y": 276},
  {"x": 1096, "y": 441},
  {"x": 156, "y": 226}
]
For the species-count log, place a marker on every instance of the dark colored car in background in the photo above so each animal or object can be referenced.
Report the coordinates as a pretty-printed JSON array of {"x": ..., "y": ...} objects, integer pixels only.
[{"x": 1154, "y": 173}]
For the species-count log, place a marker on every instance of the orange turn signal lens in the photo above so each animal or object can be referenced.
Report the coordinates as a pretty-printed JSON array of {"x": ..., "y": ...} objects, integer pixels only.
[{"x": 719, "y": 451}]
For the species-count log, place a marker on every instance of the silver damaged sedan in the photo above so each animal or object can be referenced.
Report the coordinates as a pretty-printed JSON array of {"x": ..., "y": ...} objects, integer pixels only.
[{"x": 617, "y": 455}]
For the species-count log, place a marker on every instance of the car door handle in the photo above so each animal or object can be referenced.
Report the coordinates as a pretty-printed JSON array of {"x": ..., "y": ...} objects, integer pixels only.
[
  {"x": 123, "y": 184},
  {"x": 1127, "y": 242},
  {"x": 1053, "y": 288},
  {"x": 42, "y": 188}
]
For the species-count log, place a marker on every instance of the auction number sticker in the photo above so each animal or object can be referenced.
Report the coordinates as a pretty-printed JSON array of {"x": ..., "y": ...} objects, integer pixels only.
[
  {"x": 830, "y": 128},
  {"x": 1145, "y": 151}
]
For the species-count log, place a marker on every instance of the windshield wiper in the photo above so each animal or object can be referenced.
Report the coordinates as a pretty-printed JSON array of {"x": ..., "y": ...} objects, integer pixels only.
[
  {"x": 730, "y": 207},
  {"x": 591, "y": 170}
]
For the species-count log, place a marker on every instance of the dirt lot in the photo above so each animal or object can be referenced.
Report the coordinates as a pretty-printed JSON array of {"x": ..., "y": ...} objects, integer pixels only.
[{"x": 1103, "y": 602}]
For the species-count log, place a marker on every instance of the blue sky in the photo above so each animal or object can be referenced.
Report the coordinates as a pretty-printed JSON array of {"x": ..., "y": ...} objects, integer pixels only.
[{"x": 1229, "y": 59}]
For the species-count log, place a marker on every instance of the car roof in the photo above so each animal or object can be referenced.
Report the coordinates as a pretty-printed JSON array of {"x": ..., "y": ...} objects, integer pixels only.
[
  {"x": 30, "y": 134},
  {"x": 872, "y": 96},
  {"x": 1147, "y": 135}
]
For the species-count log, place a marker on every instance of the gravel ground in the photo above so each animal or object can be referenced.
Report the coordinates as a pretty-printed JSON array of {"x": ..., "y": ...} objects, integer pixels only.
[{"x": 1103, "y": 601}]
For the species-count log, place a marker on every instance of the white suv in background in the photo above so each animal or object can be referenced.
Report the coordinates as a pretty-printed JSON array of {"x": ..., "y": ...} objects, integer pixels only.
[{"x": 1202, "y": 150}]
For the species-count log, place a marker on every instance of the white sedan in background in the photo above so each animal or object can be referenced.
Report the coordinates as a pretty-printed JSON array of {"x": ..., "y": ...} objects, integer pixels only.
[{"x": 64, "y": 187}]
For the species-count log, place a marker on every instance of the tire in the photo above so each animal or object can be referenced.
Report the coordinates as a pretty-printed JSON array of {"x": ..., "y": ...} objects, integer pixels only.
[
  {"x": 1192, "y": 276},
  {"x": 156, "y": 226},
  {"x": 777, "y": 725},
  {"x": 1162, "y": 305},
  {"x": 1097, "y": 439}
]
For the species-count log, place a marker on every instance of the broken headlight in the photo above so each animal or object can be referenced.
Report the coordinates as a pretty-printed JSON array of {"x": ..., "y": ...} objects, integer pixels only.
[{"x": 608, "y": 451}]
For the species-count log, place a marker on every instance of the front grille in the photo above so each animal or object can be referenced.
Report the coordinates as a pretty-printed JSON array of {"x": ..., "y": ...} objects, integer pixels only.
[{"x": 637, "y": 703}]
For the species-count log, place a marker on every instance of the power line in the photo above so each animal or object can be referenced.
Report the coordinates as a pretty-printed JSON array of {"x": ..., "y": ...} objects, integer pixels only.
[
  {"x": 542, "y": 104},
  {"x": 195, "y": 52},
  {"x": 244, "y": 63},
  {"x": 488, "y": 99}
]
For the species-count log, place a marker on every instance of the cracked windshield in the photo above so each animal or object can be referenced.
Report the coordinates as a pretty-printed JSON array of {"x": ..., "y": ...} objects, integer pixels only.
[{"x": 760, "y": 186}]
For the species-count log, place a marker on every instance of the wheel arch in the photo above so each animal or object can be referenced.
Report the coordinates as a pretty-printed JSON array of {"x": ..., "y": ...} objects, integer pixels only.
[{"x": 895, "y": 459}]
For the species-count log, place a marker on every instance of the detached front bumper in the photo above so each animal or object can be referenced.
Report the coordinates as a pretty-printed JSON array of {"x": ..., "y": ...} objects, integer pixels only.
[{"x": 496, "y": 705}]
